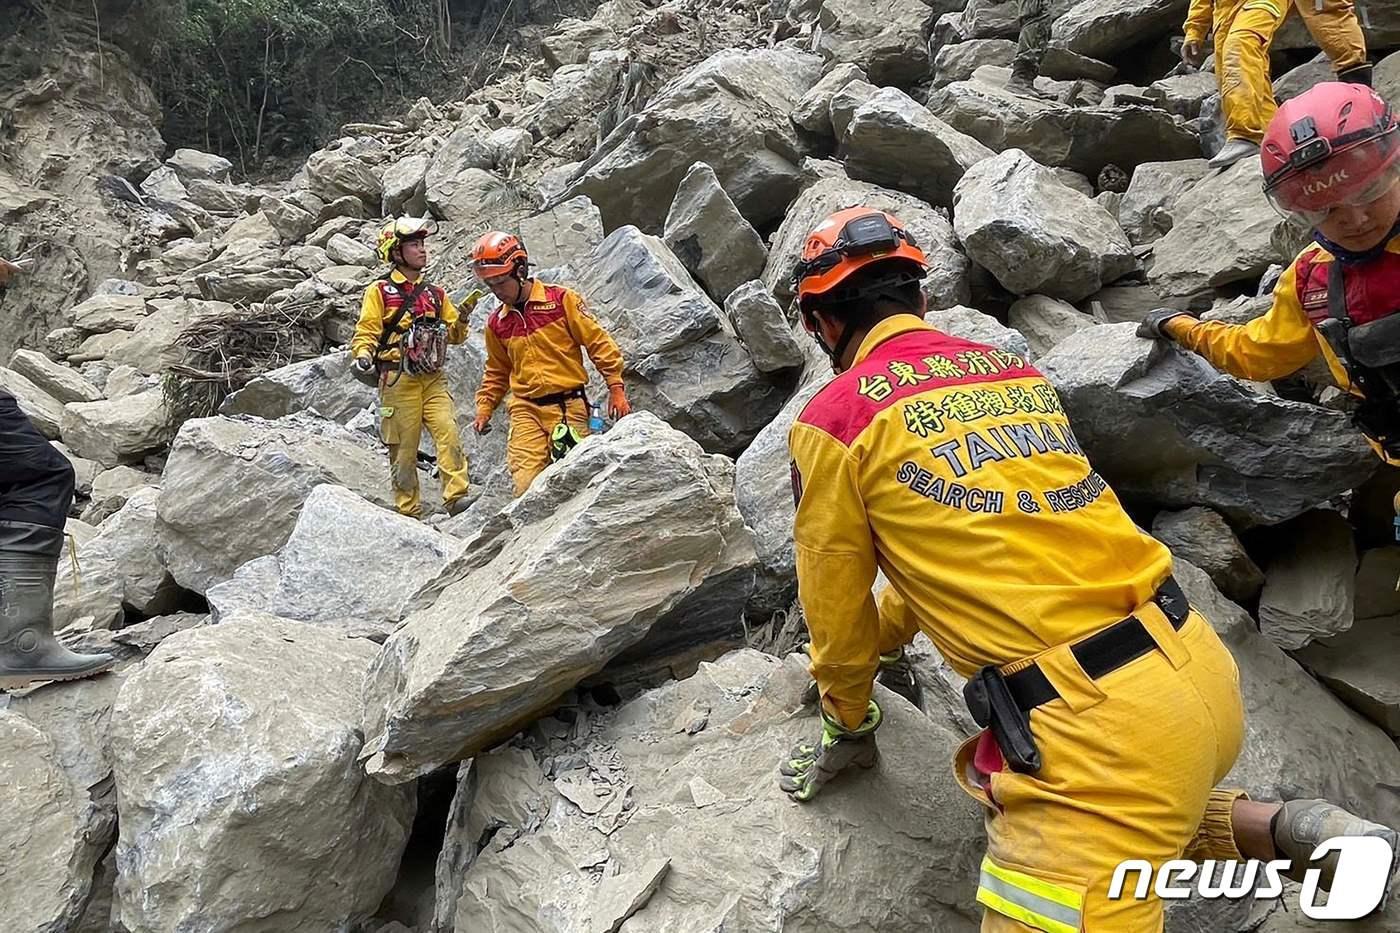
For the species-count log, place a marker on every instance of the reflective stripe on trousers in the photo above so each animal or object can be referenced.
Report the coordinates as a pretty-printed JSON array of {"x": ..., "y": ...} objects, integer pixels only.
[{"x": 1032, "y": 901}]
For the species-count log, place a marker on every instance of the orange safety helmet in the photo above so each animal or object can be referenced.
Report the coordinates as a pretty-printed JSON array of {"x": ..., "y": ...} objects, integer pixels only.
[
  {"x": 497, "y": 253},
  {"x": 850, "y": 240}
]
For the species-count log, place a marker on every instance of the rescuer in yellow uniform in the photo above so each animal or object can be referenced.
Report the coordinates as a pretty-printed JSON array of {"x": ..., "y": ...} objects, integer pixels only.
[{"x": 1112, "y": 708}]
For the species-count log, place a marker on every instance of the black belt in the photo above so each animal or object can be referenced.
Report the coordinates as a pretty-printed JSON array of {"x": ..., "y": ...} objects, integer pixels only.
[
  {"x": 1123, "y": 641},
  {"x": 558, "y": 398}
]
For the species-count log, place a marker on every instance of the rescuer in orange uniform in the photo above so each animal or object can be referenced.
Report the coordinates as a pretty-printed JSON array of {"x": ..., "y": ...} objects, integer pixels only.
[
  {"x": 534, "y": 349},
  {"x": 951, "y": 467}
]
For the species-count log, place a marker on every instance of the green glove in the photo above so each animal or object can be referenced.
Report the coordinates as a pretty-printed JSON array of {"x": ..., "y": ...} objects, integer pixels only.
[{"x": 808, "y": 767}]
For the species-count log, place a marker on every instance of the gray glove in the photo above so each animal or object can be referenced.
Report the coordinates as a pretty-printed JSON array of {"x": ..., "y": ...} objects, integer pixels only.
[
  {"x": 363, "y": 363},
  {"x": 809, "y": 766},
  {"x": 1151, "y": 326}
]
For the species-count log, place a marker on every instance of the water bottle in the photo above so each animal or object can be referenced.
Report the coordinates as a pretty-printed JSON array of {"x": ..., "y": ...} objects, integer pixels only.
[{"x": 595, "y": 418}]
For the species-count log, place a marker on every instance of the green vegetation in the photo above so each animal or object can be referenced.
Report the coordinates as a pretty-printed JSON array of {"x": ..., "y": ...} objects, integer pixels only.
[{"x": 259, "y": 78}]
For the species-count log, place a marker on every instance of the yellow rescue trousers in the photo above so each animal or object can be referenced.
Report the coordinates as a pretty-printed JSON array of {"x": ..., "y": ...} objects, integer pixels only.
[
  {"x": 527, "y": 445},
  {"x": 1244, "y": 32},
  {"x": 1335, "y": 29},
  {"x": 407, "y": 405},
  {"x": 1130, "y": 766}
]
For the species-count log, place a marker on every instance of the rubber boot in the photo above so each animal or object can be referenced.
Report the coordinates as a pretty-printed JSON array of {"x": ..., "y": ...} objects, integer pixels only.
[
  {"x": 28, "y": 651},
  {"x": 1302, "y": 824},
  {"x": 1233, "y": 151}
]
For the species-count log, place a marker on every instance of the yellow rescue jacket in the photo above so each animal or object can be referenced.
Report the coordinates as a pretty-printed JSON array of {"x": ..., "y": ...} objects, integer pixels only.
[
  {"x": 380, "y": 304},
  {"x": 951, "y": 467},
  {"x": 1284, "y": 339},
  {"x": 536, "y": 350}
]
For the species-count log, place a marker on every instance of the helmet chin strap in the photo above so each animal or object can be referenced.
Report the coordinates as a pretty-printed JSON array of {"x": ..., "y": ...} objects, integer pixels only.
[{"x": 833, "y": 353}]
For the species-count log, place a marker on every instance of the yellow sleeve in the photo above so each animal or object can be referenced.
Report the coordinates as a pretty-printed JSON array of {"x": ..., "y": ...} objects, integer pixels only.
[
  {"x": 602, "y": 349},
  {"x": 835, "y": 569},
  {"x": 371, "y": 322},
  {"x": 495, "y": 379},
  {"x": 898, "y": 625},
  {"x": 1278, "y": 344},
  {"x": 1198, "y": 20},
  {"x": 456, "y": 324}
]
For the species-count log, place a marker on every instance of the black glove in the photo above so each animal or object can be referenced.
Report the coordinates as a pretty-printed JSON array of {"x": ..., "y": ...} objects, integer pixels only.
[{"x": 1151, "y": 326}]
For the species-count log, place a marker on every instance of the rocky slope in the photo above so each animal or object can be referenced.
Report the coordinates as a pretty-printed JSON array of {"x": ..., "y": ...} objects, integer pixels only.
[{"x": 540, "y": 714}]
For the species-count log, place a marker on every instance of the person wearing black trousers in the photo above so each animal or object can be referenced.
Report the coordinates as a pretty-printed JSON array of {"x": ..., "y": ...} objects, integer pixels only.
[{"x": 36, "y": 492}]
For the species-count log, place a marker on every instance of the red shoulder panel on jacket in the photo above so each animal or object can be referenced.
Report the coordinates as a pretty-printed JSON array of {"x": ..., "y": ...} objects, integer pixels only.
[{"x": 907, "y": 365}]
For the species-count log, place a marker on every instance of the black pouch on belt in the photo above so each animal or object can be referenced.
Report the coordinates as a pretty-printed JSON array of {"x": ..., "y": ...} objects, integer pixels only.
[{"x": 990, "y": 701}]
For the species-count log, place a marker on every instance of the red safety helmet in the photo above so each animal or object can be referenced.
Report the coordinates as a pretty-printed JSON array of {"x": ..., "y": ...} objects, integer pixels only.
[
  {"x": 497, "y": 253},
  {"x": 850, "y": 240},
  {"x": 1330, "y": 146}
]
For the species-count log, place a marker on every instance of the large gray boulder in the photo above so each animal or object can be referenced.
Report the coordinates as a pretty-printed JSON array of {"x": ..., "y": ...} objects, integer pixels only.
[
  {"x": 960, "y": 60},
  {"x": 465, "y": 149},
  {"x": 242, "y": 807},
  {"x": 846, "y": 101},
  {"x": 1202, "y": 537},
  {"x": 762, "y": 328},
  {"x": 1103, "y": 28},
  {"x": 730, "y": 111},
  {"x": 1228, "y": 210},
  {"x": 114, "y": 431},
  {"x": 971, "y": 324},
  {"x": 1161, "y": 423},
  {"x": 885, "y": 37},
  {"x": 684, "y": 775},
  {"x": 44, "y": 411},
  {"x": 333, "y": 174},
  {"x": 1359, "y": 664},
  {"x": 102, "y": 313},
  {"x": 1045, "y": 321},
  {"x": 192, "y": 165},
  {"x": 573, "y": 40},
  {"x": 1034, "y": 233},
  {"x": 1084, "y": 139},
  {"x": 947, "y": 282},
  {"x": 60, "y": 804},
  {"x": 474, "y": 198},
  {"x": 62, "y": 383},
  {"x": 523, "y": 616},
  {"x": 118, "y": 568},
  {"x": 1147, "y": 211},
  {"x": 813, "y": 111},
  {"x": 112, "y": 489},
  {"x": 151, "y": 348},
  {"x": 263, "y": 471},
  {"x": 1310, "y": 585},
  {"x": 681, "y": 364},
  {"x": 709, "y": 235},
  {"x": 332, "y": 569},
  {"x": 577, "y": 94},
  {"x": 894, "y": 141},
  {"x": 405, "y": 186},
  {"x": 323, "y": 386},
  {"x": 566, "y": 233}
]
